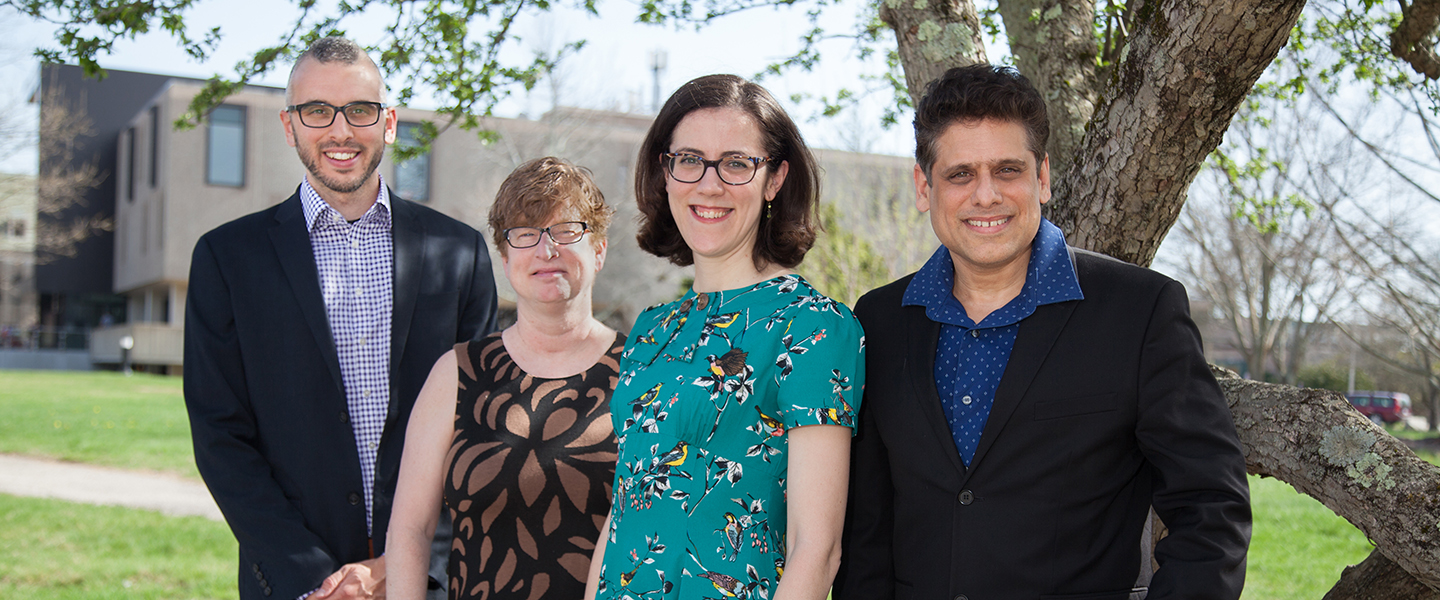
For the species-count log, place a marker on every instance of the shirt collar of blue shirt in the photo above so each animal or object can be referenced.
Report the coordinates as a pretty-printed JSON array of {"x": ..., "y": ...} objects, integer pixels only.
[
  {"x": 314, "y": 206},
  {"x": 1050, "y": 278}
]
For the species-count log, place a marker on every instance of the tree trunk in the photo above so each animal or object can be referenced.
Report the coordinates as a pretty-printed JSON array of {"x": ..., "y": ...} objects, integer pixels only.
[
  {"x": 1185, "y": 70},
  {"x": 1054, "y": 46},
  {"x": 1377, "y": 578},
  {"x": 1314, "y": 441},
  {"x": 933, "y": 37}
]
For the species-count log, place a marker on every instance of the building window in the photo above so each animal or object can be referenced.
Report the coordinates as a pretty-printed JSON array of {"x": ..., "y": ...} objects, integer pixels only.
[
  {"x": 154, "y": 146},
  {"x": 412, "y": 177},
  {"x": 225, "y": 161},
  {"x": 130, "y": 165}
]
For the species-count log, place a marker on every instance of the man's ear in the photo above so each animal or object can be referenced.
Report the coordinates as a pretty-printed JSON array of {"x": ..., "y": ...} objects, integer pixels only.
[
  {"x": 1044, "y": 175},
  {"x": 922, "y": 190},
  {"x": 392, "y": 125},
  {"x": 289, "y": 128}
]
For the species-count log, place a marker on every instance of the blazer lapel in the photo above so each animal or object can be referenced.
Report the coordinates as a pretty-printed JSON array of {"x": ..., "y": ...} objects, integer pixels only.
[
  {"x": 1037, "y": 335},
  {"x": 408, "y": 239},
  {"x": 291, "y": 238},
  {"x": 924, "y": 336}
]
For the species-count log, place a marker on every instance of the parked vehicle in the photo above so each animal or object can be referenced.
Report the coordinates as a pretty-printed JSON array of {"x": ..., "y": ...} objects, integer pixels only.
[{"x": 1381, "y": 407}]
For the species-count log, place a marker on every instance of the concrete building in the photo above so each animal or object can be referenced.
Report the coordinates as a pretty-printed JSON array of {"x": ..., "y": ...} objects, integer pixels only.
[
  {"x": 169, "y": 186},
  {"x": 18, "y": 302}
]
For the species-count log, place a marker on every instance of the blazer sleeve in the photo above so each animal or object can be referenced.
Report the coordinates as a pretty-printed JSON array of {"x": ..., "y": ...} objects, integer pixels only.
[
  {"x": 1186, "y": 432},
  {"x": 282, "y": 553},
  {"x": 477, "y": 313},
  {"x": 866, "y": 559}
]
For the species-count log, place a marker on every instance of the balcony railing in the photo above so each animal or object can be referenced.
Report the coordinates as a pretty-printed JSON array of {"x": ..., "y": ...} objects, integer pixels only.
[{"x": 151, "y": 344}]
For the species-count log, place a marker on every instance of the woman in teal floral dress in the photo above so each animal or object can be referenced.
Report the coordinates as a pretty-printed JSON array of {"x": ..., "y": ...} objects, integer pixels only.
[{"x": 736, "y": 402}]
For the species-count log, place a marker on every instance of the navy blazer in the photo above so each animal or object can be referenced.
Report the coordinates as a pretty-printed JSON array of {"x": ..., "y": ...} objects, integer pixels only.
[
  {"x": 267, "y": 406},
  {"x": 1106, "y": 408}
]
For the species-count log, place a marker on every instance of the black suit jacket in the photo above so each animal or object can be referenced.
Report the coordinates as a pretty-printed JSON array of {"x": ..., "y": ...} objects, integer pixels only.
[
  {"x": 262, "y": 383},
  {"x": 1106, "y": 408}
]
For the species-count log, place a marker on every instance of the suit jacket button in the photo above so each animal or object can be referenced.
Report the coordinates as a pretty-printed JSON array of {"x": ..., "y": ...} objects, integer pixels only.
[
  {"x": 354, "y": 498},
  {"x": 344, "y": 417},
  {"x": 259, "y": 576},
  {"x": 267, "y": 590},
  {"x": 255, "y": 567},
  {"x": 962, "y": 597},
  {"x": 966, "y": 497}
]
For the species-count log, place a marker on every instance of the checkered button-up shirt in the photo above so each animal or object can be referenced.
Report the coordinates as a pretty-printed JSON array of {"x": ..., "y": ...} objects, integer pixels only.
[{"x": 356, "y": 262}]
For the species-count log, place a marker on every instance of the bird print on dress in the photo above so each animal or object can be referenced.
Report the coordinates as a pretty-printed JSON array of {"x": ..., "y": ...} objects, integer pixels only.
[{"x": 708, "y": 394}]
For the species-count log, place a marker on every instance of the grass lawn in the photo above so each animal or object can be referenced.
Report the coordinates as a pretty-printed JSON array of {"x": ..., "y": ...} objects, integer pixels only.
[
  {"x": 1298, "y": 547},
  {"x": 97, "y": 417},
  {"x": 54, "y": 550}
]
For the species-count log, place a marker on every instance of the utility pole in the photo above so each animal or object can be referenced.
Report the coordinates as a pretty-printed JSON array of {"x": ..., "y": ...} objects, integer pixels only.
[{"x": 657, "y": 66}]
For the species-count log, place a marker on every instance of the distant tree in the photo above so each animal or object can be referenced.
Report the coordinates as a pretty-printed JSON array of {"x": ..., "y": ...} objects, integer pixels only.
[
  {"x": 843, "y": 265},
  {"x": 62, "y": 183},
  {"x": 1329, "y": 376}
]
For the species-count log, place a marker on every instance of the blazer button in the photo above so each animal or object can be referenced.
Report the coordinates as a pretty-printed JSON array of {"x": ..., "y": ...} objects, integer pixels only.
[
  {"x": 255, "y": 567},
  {"x": 962, "y": 597},
  {"x": 966, "y": 497},
  {"x": 259, "y": 576},
  {"x": 344, "y": 417},
  {"x": 354, "y": 498}
]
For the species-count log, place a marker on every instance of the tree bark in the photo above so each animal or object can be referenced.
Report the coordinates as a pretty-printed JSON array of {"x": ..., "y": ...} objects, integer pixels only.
[
  {"x": 1185, "y": 70},
  {"x": 1314, "y": 441},
  {"x": 933, "y": 36},
  {"x": 1378, "y": 578},
  {"x": 1053, "y": 43},
  {"x": 1414, "y": 37}
]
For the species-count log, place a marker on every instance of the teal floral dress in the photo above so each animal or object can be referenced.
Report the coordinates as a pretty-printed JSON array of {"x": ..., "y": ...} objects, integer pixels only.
[{"x": 709, "y": 386}]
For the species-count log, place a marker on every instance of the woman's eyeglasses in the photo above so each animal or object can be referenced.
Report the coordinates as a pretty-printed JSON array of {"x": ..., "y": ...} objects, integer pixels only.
[
  {"x": 568, "y": 232},
  {"x": 689, "y": 168}
]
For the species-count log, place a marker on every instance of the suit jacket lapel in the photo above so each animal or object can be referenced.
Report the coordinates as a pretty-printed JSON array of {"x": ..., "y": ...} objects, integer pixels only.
[
  {"x": 408, "y": 239},
  {"x": 291, "y": 238},
  {"x": 924, "y": 336},
  {"x": 1037, "y": 335}
]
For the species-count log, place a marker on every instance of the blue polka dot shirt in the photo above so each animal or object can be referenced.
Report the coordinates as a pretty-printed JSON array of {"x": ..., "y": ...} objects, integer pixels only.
[{"x": 966, "y": 394}]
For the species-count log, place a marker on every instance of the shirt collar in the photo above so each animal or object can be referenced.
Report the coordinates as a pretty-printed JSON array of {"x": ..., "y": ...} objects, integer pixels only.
[
  {"x": 1049, "y": 278},
  {"x": 315, "y": 207}
]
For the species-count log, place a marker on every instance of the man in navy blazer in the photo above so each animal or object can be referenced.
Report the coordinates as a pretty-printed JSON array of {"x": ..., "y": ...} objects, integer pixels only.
[
  {"x": 1028, "y": 403},
  {"x": 310, "y": 328}
]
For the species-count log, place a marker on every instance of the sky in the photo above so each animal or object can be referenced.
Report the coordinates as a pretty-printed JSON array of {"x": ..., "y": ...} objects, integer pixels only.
[{"x": 613, "y": 70}]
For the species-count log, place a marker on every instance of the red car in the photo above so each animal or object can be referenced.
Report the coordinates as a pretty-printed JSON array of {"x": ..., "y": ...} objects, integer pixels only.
[{"x": 1381, "y": 407}]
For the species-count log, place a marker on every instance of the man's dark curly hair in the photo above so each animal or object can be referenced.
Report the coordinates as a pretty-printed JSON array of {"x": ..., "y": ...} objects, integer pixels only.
[{"x": 975, "y": 93}]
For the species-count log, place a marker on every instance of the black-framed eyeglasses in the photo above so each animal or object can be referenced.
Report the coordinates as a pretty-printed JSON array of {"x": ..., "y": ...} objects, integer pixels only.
[
  {"x": 320, "y": 115},
  {"x": 568, "y": 232},
  {"x": 689, "y": 168}
]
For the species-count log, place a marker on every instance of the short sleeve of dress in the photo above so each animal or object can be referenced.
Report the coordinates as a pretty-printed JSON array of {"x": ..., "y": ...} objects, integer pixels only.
[{"x": 820, "y": 371}]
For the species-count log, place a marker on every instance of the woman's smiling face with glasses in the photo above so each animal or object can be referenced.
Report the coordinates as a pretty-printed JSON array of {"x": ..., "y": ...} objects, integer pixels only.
[{"x": 717, "y": 202}]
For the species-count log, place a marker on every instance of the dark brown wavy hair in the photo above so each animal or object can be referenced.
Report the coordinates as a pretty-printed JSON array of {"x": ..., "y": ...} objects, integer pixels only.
[{"x": 789, "y": 232}]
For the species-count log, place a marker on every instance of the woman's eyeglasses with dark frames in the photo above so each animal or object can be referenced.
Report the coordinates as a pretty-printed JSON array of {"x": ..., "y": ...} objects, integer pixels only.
[
  {"x": 565, "y": 233},
  {"x": 689, "y": 168}
]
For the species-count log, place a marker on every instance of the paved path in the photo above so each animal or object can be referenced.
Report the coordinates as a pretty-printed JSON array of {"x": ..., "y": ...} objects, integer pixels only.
[{"x": 43, "y": 478}]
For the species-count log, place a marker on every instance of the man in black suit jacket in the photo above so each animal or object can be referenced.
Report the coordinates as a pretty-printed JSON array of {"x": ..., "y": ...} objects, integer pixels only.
[
  {"x": 1028, "y": 403},
  {"x": 310, "y": 328}
]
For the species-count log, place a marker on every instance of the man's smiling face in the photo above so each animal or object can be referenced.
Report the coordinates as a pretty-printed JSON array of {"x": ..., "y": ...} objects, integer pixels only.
[
  {"x": 341, "y": 158},
  {"x": 984, "y": 194}
]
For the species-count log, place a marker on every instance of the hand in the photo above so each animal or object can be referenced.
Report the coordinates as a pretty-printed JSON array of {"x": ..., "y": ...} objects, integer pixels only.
[{"x": 364, "y": 580}]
